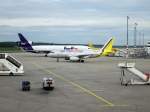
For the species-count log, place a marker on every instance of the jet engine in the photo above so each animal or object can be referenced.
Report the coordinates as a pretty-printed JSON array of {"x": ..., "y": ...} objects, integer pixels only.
[{"x": 74, "y": 59}]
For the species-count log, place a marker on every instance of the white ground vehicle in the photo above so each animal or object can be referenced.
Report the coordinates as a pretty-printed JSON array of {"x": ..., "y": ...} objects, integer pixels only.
[{"x": 48, "y": 83}]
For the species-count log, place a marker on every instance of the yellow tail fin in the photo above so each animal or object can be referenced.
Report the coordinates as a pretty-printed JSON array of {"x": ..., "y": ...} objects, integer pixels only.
[{"x": 108, "y": 47}]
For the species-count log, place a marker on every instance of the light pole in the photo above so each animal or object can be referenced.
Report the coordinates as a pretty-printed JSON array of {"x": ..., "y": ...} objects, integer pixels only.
[
  {"x": 143, "y": 41},
  {"x": 127, "y": 44},
  {"x": 140, "y": 39},
  {"x": 135, "y": 31}
]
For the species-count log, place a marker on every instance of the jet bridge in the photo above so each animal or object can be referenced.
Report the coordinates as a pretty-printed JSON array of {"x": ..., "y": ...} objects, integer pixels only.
[
  {"x": 144, "y": 78},
  {"x": 9, "y": 65}
]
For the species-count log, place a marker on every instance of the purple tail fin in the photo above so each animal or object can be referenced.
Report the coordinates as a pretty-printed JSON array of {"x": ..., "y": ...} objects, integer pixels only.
[{"x": 24, "y": 43}]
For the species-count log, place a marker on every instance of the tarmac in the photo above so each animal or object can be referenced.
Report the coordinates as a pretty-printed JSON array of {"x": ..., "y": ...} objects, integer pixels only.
[{"x": 93, "y": 86}]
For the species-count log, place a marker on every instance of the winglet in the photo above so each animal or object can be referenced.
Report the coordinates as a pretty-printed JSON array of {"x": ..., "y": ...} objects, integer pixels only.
[{"x": 91, "y": 46}]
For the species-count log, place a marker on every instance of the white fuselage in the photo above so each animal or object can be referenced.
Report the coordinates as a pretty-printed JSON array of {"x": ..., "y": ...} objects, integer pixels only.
[
  {"x": 88, "y": 53},
  {"x": 58, "y": 47},
  {"x": 78, "y": 53}
]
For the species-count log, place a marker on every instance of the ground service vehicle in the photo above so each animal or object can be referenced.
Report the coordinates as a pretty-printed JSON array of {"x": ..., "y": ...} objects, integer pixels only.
[
  {"x": 48, "y": 83},
  {"x": 25, "y": 86}
]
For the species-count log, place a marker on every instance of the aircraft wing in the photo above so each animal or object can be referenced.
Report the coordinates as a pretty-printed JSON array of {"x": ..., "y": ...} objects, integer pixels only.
[{"x": 81, "y": 55}]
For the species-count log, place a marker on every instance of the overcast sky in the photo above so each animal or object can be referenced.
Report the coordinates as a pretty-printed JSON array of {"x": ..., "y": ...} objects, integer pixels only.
[{"x": 73, "y": 21}]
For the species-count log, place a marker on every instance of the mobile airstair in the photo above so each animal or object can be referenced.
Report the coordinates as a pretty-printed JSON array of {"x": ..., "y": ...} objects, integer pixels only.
[
  {"x": 9, "y": 65},
  {"x": 143, "y": 78}
]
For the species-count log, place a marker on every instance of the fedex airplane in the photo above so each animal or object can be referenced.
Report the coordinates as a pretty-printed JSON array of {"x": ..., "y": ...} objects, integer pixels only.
[
  {"x": 46, "y": 49},
  {"x": 80, "y": 55}
]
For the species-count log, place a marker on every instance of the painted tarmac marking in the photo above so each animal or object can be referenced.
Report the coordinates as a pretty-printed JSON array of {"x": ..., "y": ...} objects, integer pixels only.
[
  {"x": 98, "y": 90},
  {"x": 108, "y": 103}
]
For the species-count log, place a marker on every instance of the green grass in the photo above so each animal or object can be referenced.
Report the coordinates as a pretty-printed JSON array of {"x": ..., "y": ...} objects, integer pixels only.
[{"x": 10, "y": 49}]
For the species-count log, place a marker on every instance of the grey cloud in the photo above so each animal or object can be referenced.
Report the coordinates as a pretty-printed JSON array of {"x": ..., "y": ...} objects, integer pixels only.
[{"x": 75, "y": 9}]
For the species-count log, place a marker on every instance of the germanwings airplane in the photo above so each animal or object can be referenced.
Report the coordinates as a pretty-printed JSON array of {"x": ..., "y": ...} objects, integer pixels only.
[
  {"x": 80, "y": 55},
  {"x": 46, "y": 49}
]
